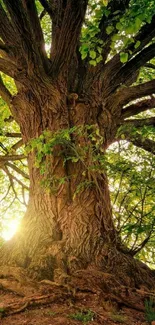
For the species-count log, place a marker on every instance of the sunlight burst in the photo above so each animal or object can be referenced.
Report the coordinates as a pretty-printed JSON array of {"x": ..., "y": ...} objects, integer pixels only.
[{"x": 10, "y": 230}]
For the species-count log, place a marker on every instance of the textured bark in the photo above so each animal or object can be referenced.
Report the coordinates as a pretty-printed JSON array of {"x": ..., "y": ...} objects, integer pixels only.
[{"x": 62, "y": 232}]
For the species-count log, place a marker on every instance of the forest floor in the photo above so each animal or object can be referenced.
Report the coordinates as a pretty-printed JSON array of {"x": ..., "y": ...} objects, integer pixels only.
[{"x": 56, "y": 306}]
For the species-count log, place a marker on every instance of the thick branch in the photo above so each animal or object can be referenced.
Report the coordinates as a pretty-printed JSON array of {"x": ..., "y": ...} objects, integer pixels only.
[
  {"x": 133, "y": 65},
  {"x": 150, "y": 65},
  {"x": 139, "y": 107},
  {"x": 23, "y": 31},
  {"x": 139, "y": 141},
  {"x": 7, "y": 32},
  {"x": 125, "y": 95},
  {"x": 145, "y": 35},
  {"x": 36, "y": 28},
  {"x": 7, "y": 67},
  {"x": 47, "y": 7},
  {"x": 140, "y": 122},
  {"x": 11, "y": 134},
  {"x": 67, "y": 22},
  {"x": 113, "y": 6},
  {"x": 17, "y": 145},
  {"x": 11, "y": 158}
]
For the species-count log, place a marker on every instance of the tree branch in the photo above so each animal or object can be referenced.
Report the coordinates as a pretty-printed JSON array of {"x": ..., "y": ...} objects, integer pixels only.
[
  {"x": 142, "y": 245},
  {"x": 113, "y": 6},
  {"x": 139, "y": 141},
  {"x": 9, "y": 119},
  {"x": 67, "y": 22},
  {"x": 11, "y": 157},
  {"x": 18, "y": 170},
  {"x": 140, "y": 122},
  {"x": 9, "y": 68},
  {"x": 7, "y": 32},
  {"x": 11, "y": 134},
  {"x": 17, "y": 145},
  {"x": 145, "y": 35},
  {"x": 139, "y": 107},
  {"x": 150, "y": 65},
  {"x": 36, "y": 27},
  {"x": 133, "y": 65},
  {"x": 47, "y": 7},
  {"x": 127, "y": 94},
  {"x": 23, "y": 31},
  {"x": 6, "y": 194},
  {"x": 11, "y": 178}
]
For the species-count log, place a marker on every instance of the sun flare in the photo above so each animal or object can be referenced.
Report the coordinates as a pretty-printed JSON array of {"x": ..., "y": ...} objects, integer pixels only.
[{"x": 10, "y": 230}]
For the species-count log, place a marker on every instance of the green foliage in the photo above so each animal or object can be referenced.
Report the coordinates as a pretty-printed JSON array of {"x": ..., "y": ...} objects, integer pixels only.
[
  {"x": 120, "y": 28},
  {"x": 78, "y": 144},
  {"x": 83, "y": 316},
  {"x": 150, "y": 310},
  {"x": 132, "y": 181},
  {"x": 124, "y": 57}
]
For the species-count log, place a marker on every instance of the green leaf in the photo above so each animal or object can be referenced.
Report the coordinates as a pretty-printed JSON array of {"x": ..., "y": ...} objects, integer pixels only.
[
  {"x": 92, "y": 54},
  {"x": 84, "y": 55},
  {"x": 115, "y": 37},
  {"x": 105, "y": 2},
  {"x": 124, "y": 57},
  {"x": 99, "y": 59},
  {"x": 109, "y": 29},
  {"x": 137, "y": 44},
  {"x": 138, "y": 23},
  {"x": 119, "y": 26},
  {"x": 93, "y": 62},
  {"x": 75, "y": 159}
]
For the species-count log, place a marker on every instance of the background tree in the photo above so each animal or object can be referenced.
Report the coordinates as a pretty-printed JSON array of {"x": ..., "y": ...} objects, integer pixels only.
[{"x": 71, "y": 101}]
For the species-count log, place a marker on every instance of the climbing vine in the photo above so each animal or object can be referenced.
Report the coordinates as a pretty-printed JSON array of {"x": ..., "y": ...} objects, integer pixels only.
[{"x": 78, "y": 144}]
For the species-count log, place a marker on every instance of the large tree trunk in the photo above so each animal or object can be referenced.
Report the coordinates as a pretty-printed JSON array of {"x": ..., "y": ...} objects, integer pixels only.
[{"x": 66, "y": 230}]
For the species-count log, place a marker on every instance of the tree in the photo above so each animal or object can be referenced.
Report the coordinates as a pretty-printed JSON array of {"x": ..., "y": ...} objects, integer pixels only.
[{"x": 72, "y": 102}]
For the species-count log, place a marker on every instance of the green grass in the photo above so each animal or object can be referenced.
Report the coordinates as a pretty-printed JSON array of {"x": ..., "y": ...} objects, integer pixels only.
[{"x": 83, "y": 316}]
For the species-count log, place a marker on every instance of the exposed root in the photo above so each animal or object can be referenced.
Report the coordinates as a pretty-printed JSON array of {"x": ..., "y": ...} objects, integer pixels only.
[
  {"x": 104, "y": 286},
  {"x": 14, "y": 279},
  {"x": 98, "y": 284},
  {"x": 12, "y": 287},
  {"x": 31, "y": 302}
]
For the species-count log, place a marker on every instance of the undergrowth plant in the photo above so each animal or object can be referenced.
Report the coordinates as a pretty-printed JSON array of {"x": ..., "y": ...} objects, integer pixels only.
[
  {"x": 83, "y": 316},
  {"x": 150, "y": 309}
]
